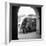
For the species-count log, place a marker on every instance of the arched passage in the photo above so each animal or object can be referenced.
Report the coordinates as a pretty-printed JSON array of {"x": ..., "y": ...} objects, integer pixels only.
[
  {"x": 24, "y": 12},
  {"x": 28, "y": 12}
]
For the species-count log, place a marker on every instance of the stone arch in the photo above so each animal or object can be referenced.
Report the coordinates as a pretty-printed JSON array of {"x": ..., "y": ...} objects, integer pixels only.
[{"x": 35, "y": 16}]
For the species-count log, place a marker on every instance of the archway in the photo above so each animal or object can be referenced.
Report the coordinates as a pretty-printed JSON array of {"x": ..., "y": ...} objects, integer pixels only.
[
  {"x": 32, "y": 14},
  {"x": 25, "y": 12}
]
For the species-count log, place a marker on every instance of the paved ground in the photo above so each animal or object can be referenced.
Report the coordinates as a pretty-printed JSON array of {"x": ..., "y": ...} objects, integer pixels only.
[{"x": 32, "y": 35}]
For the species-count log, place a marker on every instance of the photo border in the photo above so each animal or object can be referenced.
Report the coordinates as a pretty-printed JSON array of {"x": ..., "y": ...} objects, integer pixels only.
[{"x": 7, "y": 16}]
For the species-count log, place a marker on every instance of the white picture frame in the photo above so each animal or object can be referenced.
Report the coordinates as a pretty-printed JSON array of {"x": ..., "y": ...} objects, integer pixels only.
[{"x": 7, "y": 11}]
